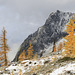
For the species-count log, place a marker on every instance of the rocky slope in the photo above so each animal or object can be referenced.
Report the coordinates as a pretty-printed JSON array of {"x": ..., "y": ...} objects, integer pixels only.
[
  {"x": 53, "y": 29},
  {"x": 54, "y": 64}
]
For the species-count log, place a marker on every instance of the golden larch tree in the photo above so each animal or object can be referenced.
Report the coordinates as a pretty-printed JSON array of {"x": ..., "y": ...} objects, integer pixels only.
[
  {"x": 20, "y": 72},
  {"x": 35, "y": 56},
  {"x": 4, "y": 48},
  {"x": 69, "y": 44},
  {"x": 54, "y": 47},
  {"x": 22, "y": 56},
  {"x": 12, "y": 73},
  {"x": 60, "y": 46},
  {"x": 30, "y": 52}
]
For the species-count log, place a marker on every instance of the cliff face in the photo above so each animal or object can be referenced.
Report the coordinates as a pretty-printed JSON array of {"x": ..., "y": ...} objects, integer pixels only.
[{"x": 53, "y": 29}]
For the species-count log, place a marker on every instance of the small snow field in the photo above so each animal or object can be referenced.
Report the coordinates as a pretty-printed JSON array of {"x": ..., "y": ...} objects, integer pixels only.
[
  {"x": 62, "y": 70},
  {"x": 52, "y": 65},
  {"x": 27, "y": 65}
]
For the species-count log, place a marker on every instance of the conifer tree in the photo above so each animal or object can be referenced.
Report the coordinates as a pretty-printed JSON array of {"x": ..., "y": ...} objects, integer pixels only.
[
  {"x": 35, "y": 56},
  {"x": 22, "y": 56},
  {"x": 60, "y": 46},
  {"x": 70, "y": 39},
  {"x": 4, "y": 48},
  {"x": 53, "y": 58},
  {"x": 30, "y": 52},
  {"x": 12, "y": 73},
  {"x": 54, "y": 47},
  {"x": 20, "y": 72}
]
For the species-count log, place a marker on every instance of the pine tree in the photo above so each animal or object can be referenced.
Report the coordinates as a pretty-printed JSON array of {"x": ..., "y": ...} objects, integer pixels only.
[
  {"x": 22, "y": 56},
  {"x": 4, "y": 48},
  {"x": 70, "y": 39},
  {"x": 30, "y": 52}
]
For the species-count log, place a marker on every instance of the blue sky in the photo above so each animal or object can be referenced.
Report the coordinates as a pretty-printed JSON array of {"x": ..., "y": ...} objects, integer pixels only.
[{"x": 23, "y": 17}]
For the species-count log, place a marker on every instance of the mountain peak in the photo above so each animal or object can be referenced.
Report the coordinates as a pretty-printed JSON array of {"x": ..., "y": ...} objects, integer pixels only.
[
  {"x": 45, "y": 35},
  {"x": 58, "y": 11}
]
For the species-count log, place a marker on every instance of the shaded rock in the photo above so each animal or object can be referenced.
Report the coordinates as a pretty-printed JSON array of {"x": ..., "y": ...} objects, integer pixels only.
[{"x": 46, "y": 34}]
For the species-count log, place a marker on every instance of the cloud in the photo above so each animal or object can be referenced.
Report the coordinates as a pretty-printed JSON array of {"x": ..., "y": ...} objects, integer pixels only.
[
  {"x": 23, "y": 17},
  {"x": 13, "y": 51}
]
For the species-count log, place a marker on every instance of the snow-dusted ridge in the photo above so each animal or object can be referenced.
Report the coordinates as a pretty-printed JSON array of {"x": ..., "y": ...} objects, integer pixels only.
[
  {"x": 27, "y": 65},
  {"x": 50, "y": 65},
  {"x": 45, "y": 35}
]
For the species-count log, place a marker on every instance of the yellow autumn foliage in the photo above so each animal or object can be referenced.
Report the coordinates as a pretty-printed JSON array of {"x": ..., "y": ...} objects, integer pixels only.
[
  {"x": 54, "y": 46},
  {"x": 60, "y": 46},
  {"x": 35, "y": 56},
  {"x": 30, "y": 52},
  {"x": 69, "y": 44},
  {"x": 3, "y": 48},
  {"x": 22, "y": 56},
  {"x": 12, "y": 73},
  {"x": 20, "y": 72}
]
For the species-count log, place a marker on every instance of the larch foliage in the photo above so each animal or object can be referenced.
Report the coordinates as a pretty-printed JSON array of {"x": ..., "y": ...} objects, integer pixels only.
[
  {"x": 4, "y": 48},
  {"x": 54, "y": 47},
  {"x": 35, "y": 56},
  {"x": 53, "y": 58},
  {"x": 69, "y": 44},
  {"x": 22, "y": 56},
  {"x": 60, "y": 46},
  {"x": 12, "y": 73},
  {"x": 20, "y": 72},
  {"x": 30, "y": 52}
]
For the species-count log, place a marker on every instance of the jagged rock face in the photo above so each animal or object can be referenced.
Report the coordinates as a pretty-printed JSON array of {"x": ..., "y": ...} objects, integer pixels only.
[{"x": 53, "y": 29}]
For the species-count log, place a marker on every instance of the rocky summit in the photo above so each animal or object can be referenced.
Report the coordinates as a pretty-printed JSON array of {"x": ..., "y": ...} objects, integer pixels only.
[{"x": 53, "y": 29}]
